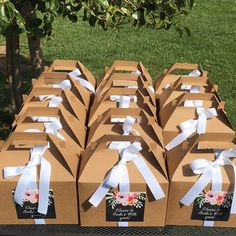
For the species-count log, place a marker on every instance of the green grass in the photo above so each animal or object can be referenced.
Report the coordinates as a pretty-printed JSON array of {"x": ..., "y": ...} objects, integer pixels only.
[{"x": 213, "y": 45}]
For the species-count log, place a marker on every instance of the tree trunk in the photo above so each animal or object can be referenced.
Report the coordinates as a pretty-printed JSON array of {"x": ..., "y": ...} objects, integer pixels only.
[
  {"x": 36, "y": 56},
  {"x": 13, "y": 73},
  {"x": 36, "y": 53}
]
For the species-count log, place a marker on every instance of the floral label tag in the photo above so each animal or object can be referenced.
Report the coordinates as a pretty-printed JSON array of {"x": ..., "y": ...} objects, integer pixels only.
[
  {"x": 29, "y": 208},
  {"x": 125, "y": 206},
  {"x": 212, "y": 206}
]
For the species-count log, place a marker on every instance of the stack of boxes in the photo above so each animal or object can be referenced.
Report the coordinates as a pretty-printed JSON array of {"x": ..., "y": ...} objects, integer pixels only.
[
  {"x": 123, "y": 179},
  {"x": 200, "y": 147},
  {"x": 40, "y": 158},
  {"x": 120, "y": 153}
]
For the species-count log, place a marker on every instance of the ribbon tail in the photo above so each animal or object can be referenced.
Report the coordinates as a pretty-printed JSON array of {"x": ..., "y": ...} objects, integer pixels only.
[
  {"x": 100, "y": 193},
  {"x": 26, "y": 181},
  {"x": 44, "y": 186},
  {"x": 179, "y": 139},
  {"x": 124, "y": 187},
  {"x": 150, "y": 179},
  {"x": 39, "y": 221},
  {"x": 216, "y": 187},
  {"x": 208, "y": 223},
  {"x": 196, "y": 189},
  {"x": 202, "y": 123},
  {"x": 123, "y": 224},
  {"x": 233, "y": 205},
  {"x": 85, "y": 84}
]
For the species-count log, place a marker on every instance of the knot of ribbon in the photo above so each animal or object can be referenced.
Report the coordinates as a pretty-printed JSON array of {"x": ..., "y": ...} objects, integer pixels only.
[
  {"x": 128, "y": 126},
  {"x": 55, "y": 101},
  {"x": 52, "y": 125},
  {"x": 210, "y": 171},
  {"x": 75, "y": 74},
  {"x": 124, "y": 101},
  {"x": 191, "y": 126},
  {"x": 28, "y": 178}
]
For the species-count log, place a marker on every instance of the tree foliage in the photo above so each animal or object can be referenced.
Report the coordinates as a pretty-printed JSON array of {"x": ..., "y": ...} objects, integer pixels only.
[{"x": 156, "y": 14}]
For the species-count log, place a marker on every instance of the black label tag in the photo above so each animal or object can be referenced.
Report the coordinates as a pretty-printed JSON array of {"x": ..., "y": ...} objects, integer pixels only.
[
  {"x": 125, "y": 206},
  {"x": 212, "y": 206},
  {"x": 29, "y": 208}
]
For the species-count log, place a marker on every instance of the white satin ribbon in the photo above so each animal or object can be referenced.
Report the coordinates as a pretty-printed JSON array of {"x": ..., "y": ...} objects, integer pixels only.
[
  {"x": 44, "y": 118},
  {"x": 152, "y": 89},
  {"x": 194, "y": 73},
  {"x": 191, "y": 126},
  {"x": 124, "y": 101},
  {"x": 128, "y": 123},
  {"x": 210, "y": 171},
  {"x": 193, "y": 103},
  {"x": 52, "y": 126},
  {"x": 191, "y": 88},
  {"x": 65, "y": 84},
  {"x": 28, "y": 179},
  {"x": 119, "y": 176},
  {"x": 75, "y": 75},
  {"x": 55, "y": 101},
  {"x": 195, "y": 89},
  {"x": 128, "y": 126},
  {"x": 137, "y": 72}
]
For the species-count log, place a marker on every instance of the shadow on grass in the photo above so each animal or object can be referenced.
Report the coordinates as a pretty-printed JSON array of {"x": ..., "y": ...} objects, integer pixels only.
[{"x": 6, "y": 118}]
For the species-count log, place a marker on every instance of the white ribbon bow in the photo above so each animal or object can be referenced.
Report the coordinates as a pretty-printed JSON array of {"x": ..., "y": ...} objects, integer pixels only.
[
  {"x": 191, "y": 126},
  {"x": 28, "y": 179},
  {"x": 193, "y": 89},
  {"x": 119, "y": 174},
  {"x": 55, "y": 101},
  {"x": 128, "y": 126},
  {"x": 51, "y": 125},
  {"x": 75, "y": 75},
  {"x": 65, "y": 84},
  {"x": 211, "y": 172}
]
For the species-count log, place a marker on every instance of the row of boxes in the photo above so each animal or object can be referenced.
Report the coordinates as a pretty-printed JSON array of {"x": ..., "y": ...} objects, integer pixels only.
[
  {"x": 123, "y": 152},
  {"x": 40, "y": 158},
  {"x": 200, "y": 148}
]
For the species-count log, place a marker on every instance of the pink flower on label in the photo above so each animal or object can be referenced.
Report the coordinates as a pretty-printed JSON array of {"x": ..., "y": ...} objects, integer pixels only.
[
  {"x": 31, "y": 196},
  {"x": 210, "y": 197},
  {"x": 122, "y": 198},
  {"x": 220, "y": 198}
]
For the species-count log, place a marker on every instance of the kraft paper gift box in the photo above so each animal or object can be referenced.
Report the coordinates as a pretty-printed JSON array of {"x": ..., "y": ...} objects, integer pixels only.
[
  {"x": 202, "y": 188},
  {"x": 70, "y": 65},
  {"x": 184, "y": 116},
  {"x": 122, "y": 98},
  {"x": 126, "y": 67},
  {"x": 56, "y": 97},
  {"x": 186, "y": 85},
  {"x": 127, "y": 122},
  {"x": 170, "y": 76},
  {"x": 57, "y": 121},
  {"x": 60, "y": 134},
  {"x": 42, "y": 174},
  {"x": 96, "y": 164},
  {"x": 64, "y": 81},
  {"x": 124, "y": 80}
]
